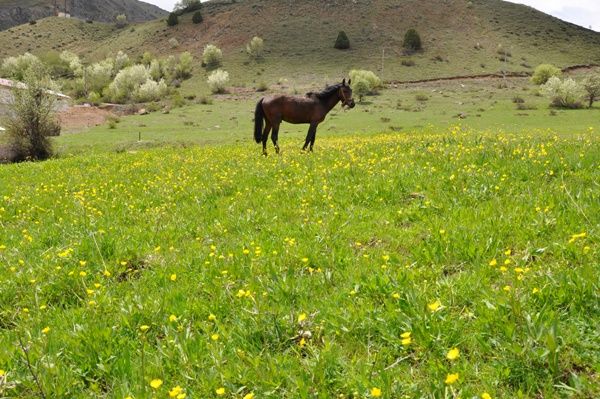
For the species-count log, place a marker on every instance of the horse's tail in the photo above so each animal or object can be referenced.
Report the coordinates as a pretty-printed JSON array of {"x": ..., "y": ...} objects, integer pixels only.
[{"x": 259, "y": 116}]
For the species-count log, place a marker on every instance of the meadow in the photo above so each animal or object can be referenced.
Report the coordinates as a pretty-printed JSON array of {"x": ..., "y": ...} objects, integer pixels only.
[{"x": 442, "y": 263}]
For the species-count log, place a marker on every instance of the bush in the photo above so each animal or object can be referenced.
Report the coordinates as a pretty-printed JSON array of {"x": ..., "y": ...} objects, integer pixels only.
[
  {"x": 172, "y": 20},
  {"x": 342, "y": 42},
  {"x": 32, "y": 119},
  {"x": 17, "y": 67},
  {"x": 121, "y": 21},
  {"x": 591, "y": 85},
  {"x": 364, "y": 82},
  {"x": 197, "y": 18},
  {"x": 412, "y": 41},
  {"x": 168, "y": 67},
  {"x": 57, "y": 67},
  {"x": 156, "y": 71},
  {"x": 150, "y": 91},
  {"x": 74, "y": 63},
  {"x": 543, "y": 73},
  {"x": 121, "y": 61},
  {"x": 212, "y": 56},
  {"x": 185, "y": 6},
  {"x": 99, "y": 75},
  {"x": 184, "y": 68},
  {"x": 255, "y": 47},
  {"x": 127, "y": 82},
  {"x": 174, "y": 43},
  {"x": 147, "y": 58},
  {"x": 217, "y": 81},
  {"x": 563, "y": 93}
]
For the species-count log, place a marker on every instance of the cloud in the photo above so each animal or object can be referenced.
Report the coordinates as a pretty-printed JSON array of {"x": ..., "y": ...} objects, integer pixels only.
[{"x": 581, "y": 12}]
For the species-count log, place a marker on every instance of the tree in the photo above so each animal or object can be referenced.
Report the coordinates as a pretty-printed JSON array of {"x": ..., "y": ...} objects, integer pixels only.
[
  {"x": 185, "y": 6},
  {"x": 543, "y": 73},
  {"x": 412, "y": 40},
  {"x": 32, "y": 119},
  {"x": 212, "y": 56},
  {"x": 172, "y": 20},
  {"x": 591, "y": 85},
  {"x": 255, "y": 47},
  {"x": 563, "y": 93},
  {"x": 121, "y": 21},
  {"x": 217, "y": 81},
  {"x": 342, "y": 42},
  {"x": 364, "y": 82},
  {"x": 197, "y": 17}
]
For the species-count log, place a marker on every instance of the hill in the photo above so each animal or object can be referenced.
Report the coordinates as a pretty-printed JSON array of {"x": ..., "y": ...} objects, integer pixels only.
[
  {"x": 460, "y": 38},
  {"x": 16, "y": 12}
]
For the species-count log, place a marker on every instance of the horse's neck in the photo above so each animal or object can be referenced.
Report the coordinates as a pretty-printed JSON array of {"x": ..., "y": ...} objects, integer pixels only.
[{"x": 330, "y": 102}]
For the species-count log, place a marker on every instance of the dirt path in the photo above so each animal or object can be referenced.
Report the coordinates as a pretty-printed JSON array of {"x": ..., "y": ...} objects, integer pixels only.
[{"x": 79, "y": 118}]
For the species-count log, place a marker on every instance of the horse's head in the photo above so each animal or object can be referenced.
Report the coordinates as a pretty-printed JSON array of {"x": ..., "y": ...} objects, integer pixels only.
[{"x": 345, "y": 94}]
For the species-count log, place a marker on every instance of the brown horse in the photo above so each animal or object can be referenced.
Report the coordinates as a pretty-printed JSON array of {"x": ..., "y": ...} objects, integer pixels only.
[{"x": 310, "y": 109}]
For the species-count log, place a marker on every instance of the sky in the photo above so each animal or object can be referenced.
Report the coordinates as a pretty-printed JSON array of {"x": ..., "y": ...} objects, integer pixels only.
[{"x": 581, "y": 12}]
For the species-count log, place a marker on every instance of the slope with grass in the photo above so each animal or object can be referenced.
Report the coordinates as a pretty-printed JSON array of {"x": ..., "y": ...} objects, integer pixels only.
[
  {"x": 460, "y": 38},
  {"x": 16, "y": 12},
  {"x": 434, "y": 264}
]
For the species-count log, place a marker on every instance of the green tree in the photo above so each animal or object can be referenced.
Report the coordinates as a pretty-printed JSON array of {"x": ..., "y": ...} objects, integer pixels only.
[
  {"x": 197, "y": 18},
  {"x": 172, "y": 20},
  {"x": 543, "y": 73},
  {"x": 255, "y": 47},
  {"x": 412, "y": 40},
  {"x": 342, "y": 42},
  {"x": 32, "y": 118},
  {"x": 591, "y": 85},
  {"x": 121, "y": 21}
]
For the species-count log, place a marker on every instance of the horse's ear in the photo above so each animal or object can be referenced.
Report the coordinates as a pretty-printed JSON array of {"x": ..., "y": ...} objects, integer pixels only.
[
  {"x": 344, "y": 82},
  {"x": 349, "y": 82}
]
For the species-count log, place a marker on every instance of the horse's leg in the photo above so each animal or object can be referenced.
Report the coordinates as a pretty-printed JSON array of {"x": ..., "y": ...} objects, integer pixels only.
[
  {"x": 275, "y": 137},
  {"x": 265, "y": 136},
  {"x": 311, "y": 130},
  {"x": 313, "y": 137}
]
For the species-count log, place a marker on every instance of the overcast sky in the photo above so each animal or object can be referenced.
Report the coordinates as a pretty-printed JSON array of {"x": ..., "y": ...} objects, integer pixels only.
[{"x": 581, "y": 12}]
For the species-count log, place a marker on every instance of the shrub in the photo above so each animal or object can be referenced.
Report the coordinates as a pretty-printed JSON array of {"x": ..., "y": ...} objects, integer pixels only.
[
  {"x": 217, "y": 81},
  {"x": 57, "y": 67},
  {"x": 168, "y": 67},
  {"x": 412, "y": 40},
  {"x": 212, "y": 56},
  {"x": 563, "y": 93},
  {"x": 185, "y": 6},
  {"x": 408, "y": 63},
  {"x": 32, "y": 119},
  {"x": 17, "y": 67},
  {"x": 99, "y": 75},
  {"x": 543, "y": 73},
  {"x": 121, "y": 21},
  {"x": 364, "y": 82},
  {"x": 591, "y": 85},
  {"x": 172, "y": 20},
  {"x": 183, "y": 70},
  {"x": 150, "y": 91},
  {"x": 197, "y": 17},
  {"x": 121, "y": 61},
  {"x": 156, "y": 72},
  {"x": 147, "y": 58},
  {"x": 342, "y": 42},
  {"x": 255, "y": 47},
  {"x": 74, "y": 63},
  {"x": 127, "y": 82},
  {"x": 174, "y": 43}
]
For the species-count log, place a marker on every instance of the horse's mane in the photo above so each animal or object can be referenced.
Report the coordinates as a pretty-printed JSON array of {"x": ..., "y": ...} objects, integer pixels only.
[{"x": 328, "y": 92}]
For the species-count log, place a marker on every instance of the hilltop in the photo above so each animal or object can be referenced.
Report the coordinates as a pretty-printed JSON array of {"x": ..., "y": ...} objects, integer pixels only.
[
  {"x": 16, "y": 12},
  {"x": 460, "y": 38}
]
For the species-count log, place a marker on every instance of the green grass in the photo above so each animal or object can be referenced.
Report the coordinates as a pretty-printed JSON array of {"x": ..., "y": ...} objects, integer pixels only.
[
  {"x": 312, "y": 265},
  {"x": 483, "y": 105}
]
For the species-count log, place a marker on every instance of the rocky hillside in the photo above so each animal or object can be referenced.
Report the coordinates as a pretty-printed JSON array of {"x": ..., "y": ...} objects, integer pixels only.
[{"x": 17, "y": 12}]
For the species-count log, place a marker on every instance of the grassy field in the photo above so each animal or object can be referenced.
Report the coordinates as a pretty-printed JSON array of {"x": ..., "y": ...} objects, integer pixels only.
[
  {"x": 435, "y": 264},
  {"x": 407, "y": 108}
]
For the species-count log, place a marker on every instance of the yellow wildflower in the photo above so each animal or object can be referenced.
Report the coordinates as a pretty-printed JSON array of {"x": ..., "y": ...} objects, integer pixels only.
[
  {"x": 301, "y": 317},
  {"x": 173, "y": 393},
  {"x": 144, "y": 328},
  {"x": 451, "y": 378},
  {"x": 212, "y": 317},
  {"x": 434, "y": 306},
  {"x": 46, "y": 330},
  {"x": 486, "y": 395},
  {"x": 156, "y": 383},
  {"x": 214, "y": 337},
  {"x": 173, "y": 277},
  {"x": 453, "y": 354},
  {"x": 375, "y": 392},
  {"x": 249, "y": 396},
  {"x": 220, "y": 391}
]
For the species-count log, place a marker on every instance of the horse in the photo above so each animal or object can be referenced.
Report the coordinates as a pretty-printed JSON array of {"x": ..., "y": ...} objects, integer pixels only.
[{"x": 310, "y": 109}]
